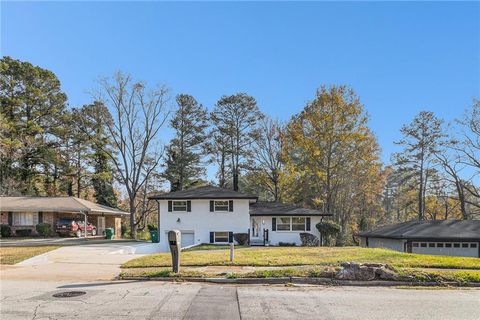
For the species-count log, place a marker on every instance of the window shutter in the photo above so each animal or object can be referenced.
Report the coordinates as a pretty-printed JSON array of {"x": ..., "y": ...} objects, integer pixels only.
[
  {"x": 189, "y": 206},
  {"x": 274, "y": 224},
  {"x": 211, "y": 206},
  {"x": 40, "y": 217},
  {"x": 308, "y": 224},
  {"x": 169, "y": 206},
  {"x": 230, "y": 205},
  {"x": 211, "y": 237},
  {"x": 230, "y": 237},
  {"x": 10, "y": 218}
]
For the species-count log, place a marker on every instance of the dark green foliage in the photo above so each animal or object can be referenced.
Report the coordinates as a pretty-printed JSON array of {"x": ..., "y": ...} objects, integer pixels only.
[
  {"x": 43, "y": 229},
  {"x": 235, "y": 120},
  {"x": 241, "y": 238},
  {"x": 286, "y": 244},
  {"x": 152, "y": 227},
  {"x": 5, "y": 230},
  {"x": 124, "y": 230},
  {"x": 32, "y": 114},
  {"x": 309, "y": 240},
  {"x": 328, "y": 229},
  {"x": 183, "y": 166}
]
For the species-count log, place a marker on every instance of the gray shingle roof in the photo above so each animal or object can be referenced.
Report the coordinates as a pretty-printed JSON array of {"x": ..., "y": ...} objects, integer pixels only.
[
  {"x": 445, "y": 229},
  {"x": 204, "y": 192},
  {"x": 282, "y": 209},
  {"x": 54, "y": 204}
]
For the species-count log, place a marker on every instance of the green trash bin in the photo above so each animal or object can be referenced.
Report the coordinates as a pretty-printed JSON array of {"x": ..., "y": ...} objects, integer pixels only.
[
  {"x": 109, "y": 233},
  {"x": 154, "y": 236}
]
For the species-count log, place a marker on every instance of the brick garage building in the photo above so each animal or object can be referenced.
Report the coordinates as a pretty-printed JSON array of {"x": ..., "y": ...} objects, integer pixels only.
[{"x": 24, "y": 213}]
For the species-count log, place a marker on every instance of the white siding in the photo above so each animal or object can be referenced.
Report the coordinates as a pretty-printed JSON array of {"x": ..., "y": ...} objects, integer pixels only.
[
  {"x": 201, "y": 221},
  {"x": 275, "y": 237}
]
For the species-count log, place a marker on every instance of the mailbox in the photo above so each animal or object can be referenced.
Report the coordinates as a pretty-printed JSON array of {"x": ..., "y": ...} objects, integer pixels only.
[{"x": 175, "y": 242}]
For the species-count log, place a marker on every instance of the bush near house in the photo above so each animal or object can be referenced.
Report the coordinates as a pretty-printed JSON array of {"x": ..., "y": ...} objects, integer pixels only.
[
  {"x": 328, "y": 230},
  {"x": 241, "y": 238},
  {"x": 5, "y": 230},
  {"x": 309, "y": 240},
  {"x": 43, "y": 229}
]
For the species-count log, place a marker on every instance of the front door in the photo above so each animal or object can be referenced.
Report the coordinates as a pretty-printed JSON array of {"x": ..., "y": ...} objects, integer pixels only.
[
  {"x": 256, "y": 230},
  {"x": 101, "y": 225}
]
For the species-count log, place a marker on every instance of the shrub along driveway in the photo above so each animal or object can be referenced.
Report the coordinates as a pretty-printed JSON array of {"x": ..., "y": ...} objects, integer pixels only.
[{"x": 78, "y": 263}]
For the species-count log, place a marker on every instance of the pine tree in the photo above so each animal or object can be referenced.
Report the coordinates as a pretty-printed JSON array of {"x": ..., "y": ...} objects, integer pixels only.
[{"x": 184, "y": 154}]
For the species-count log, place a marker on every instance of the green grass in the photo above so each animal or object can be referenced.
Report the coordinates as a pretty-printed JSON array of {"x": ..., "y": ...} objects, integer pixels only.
[
  {"x": 419, "y": 276},
  {"x": 207, "y": 246},
  {"x": 13, "y": 255},
  {"x": 295, "y": 256}
]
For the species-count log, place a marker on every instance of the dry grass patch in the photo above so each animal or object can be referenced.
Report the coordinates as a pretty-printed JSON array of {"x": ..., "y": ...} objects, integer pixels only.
[
  {"x": 13, "y": 255},
  {"x": 296, "y": 256}
]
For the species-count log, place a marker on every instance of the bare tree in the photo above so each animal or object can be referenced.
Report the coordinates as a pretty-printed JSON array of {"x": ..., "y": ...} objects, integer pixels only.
[
  {"x": 137, "y": 116},
  {"x": 268, "y": 150}
]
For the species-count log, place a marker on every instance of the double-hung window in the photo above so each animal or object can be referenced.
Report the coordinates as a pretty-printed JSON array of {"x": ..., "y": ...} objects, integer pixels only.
[
  {"x": 23, "y": 219},
  {"x": 291, "y": 224},
  {"x": 283, "y": 224},
  {"x": 221, "y": 236},
  {"x": 298, "y": 224},
  {"x": 221, "y": 205},
  {"x": 180, "y": 206}
]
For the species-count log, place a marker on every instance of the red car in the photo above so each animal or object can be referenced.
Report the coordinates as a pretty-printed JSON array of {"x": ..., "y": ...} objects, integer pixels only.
[{"x": 68, "y": 226}]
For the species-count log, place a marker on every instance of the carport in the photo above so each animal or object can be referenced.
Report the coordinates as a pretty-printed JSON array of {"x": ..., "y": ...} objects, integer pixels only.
[{"x": 24, "y": 213}]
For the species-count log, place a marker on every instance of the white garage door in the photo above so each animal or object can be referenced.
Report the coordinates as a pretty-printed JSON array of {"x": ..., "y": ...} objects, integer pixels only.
[
  {"x": 188, "y": 239},
  {"x": 459, "y": 249}
]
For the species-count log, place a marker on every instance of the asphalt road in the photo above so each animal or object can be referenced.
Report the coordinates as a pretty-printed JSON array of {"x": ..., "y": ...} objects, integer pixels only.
[{"x": 162, "y": 300}]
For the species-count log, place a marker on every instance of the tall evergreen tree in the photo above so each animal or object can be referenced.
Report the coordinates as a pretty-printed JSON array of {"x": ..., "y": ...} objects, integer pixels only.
[
  {"x": 184, "y": 154},
  {"x": 421, "y": 140},
  {"x": 32, "y": 105},
  {"x": 92, "y": 121},
  {"x": 236, "y": 118}
]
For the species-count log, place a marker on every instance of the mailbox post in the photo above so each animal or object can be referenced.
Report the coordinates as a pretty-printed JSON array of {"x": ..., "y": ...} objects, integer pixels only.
[{"x": 175, "y": 242}]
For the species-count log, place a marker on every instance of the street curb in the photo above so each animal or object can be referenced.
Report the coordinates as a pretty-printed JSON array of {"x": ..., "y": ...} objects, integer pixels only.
[{"x": 300, "y": 280}]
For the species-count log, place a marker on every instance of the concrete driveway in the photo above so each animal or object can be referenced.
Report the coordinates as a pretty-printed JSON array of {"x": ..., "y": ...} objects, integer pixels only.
[{"x": 78, "y": 263}]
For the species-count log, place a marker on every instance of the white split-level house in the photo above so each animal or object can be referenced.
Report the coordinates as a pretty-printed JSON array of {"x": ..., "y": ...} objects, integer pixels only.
[{"x": 212, "y": 215}]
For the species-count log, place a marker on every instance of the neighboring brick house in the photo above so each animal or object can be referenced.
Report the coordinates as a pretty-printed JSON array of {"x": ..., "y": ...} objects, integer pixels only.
[{"x": 24, "y": 213}]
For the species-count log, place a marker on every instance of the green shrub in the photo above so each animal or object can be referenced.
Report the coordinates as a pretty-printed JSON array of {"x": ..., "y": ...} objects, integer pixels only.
[
  {"x": 5, "y": 230},
  {"x": 124, "y": 230},
  {"x": 43, "y": 229},
  {"x": 241, "y": 238},
  {"x": 152, "y": 227},
  {"x": 328, "y": 229},
  {"x": 286, "y": 244}
]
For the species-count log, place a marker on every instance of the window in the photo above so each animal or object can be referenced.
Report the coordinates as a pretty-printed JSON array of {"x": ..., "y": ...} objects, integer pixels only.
[
  {"x": 221, "y": 205},
  {"x": 298, "y": 224},
  {"x": 439, "y": 245},
  {"x": 179, "y": 205},
  {"x": 221, "y": 236},
  {"x": 431, "y": 245},
  {"x": 283, "y": 224},
  {"x": 448, "y": 245},
  {"x": 473, "y": 245},
  {"x": 456, "y": 245},
  {"x": 464, "y": 245},
  {"x": 415, "y": 244},
  {"x": 423, "y": 245},
  {"x": 23, "y": 219}
]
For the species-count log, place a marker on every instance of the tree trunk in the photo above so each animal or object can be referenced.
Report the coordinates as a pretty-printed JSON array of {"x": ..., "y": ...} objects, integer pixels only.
[{"x": 133, "y": 226}]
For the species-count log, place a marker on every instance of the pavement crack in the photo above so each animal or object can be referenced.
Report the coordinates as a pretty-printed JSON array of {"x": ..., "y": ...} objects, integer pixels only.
[
  {"x": 126, "y": 294},
  {"x": 238, "y": 303}
]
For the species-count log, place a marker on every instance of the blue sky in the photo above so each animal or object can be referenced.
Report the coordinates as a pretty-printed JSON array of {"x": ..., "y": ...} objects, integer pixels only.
[{"x": 400, "y": 58}]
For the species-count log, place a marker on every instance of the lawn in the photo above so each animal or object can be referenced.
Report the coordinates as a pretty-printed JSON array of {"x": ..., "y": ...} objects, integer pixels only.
[
  {"x": 296, "y": 256},
  {"x": 12, "y": 255}
]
